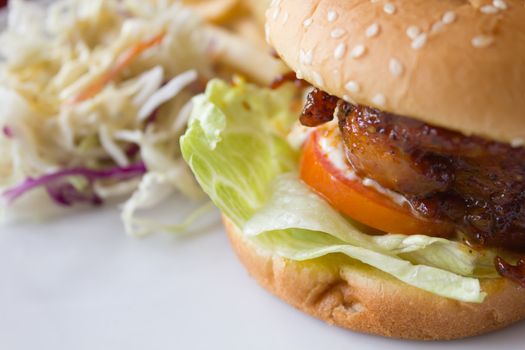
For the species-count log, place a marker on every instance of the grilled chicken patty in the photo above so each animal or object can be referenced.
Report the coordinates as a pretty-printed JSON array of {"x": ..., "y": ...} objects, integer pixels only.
[{"x": 476, "y": 184}]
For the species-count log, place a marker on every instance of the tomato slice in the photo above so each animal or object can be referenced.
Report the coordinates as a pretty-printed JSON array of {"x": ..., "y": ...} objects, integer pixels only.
[{"x": 362, "y": 203}]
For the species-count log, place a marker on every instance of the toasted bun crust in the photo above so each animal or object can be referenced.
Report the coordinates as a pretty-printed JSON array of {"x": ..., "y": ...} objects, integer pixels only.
[
  {"x": 466, "y": 71},
  {"x": 358, "y": 297}
]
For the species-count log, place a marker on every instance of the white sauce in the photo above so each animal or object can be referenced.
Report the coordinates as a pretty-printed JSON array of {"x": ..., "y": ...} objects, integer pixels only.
[
  {"x": 333, "y": 149},
  {"x": 298, "y": 136}
]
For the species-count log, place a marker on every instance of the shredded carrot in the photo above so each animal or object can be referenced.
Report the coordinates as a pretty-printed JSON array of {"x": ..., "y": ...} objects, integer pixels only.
[{"x": 124, "y": 60}]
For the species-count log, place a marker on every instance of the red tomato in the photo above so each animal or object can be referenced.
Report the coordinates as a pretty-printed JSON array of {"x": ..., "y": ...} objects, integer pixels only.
[{"x": 364, "y": 204}]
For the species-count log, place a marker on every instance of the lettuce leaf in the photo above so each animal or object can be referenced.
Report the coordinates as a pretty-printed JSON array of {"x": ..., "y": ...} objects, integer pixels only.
[
  {"x": 236, "y": 147},
  {"x": 294, "y": 206},
  {"x": 298, "y": 244},
  {"x": 233, "y": 146}
]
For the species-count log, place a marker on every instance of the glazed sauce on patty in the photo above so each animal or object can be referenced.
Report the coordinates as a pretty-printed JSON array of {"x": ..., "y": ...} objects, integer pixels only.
[
  {"x": 319, "y": 108},
  {"x": 515, "y": 273}
]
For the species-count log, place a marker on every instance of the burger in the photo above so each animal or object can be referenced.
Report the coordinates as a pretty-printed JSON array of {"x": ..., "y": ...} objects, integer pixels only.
[{"x": 396, "y": 206}]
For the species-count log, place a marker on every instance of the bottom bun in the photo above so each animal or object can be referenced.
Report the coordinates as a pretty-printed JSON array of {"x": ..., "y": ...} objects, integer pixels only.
[{"x": 353, "y": 295}]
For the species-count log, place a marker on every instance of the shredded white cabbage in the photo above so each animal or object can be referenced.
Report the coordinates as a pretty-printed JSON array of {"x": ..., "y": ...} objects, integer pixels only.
[{"x": 74, "y": 95}]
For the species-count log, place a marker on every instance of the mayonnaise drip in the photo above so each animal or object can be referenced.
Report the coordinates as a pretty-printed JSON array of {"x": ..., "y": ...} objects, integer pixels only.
[{"x": 331, "y": 146}]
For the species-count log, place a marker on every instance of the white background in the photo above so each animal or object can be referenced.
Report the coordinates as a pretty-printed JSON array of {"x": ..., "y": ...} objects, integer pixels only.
[{"x": 80, "y": 283}]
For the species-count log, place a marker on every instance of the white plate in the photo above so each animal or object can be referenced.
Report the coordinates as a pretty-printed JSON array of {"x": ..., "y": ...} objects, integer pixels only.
[{"x": 80, "y": 283}]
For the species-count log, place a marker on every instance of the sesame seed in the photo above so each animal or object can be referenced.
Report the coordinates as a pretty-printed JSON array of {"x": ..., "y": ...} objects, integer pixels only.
[
  {"x": 337, "y": 33},
  {"x": 372, "y": 30},
  {"x": 501, "y": 4},
  {"x": 488, "y": 9},
  {"x": 379, "y": 100},
  {"x": 395, "y": 66},
  {"x": 374, "y": 1},
  {"x": 482, "y": 41},
  {"x": 318, "y": 79},
  {"x": 358, "y": 51},
  {"x": 419, "y": 41},
  {"x": 449, "y": 17},
  {"x": 389, "y": 8},
  {"x": 413, "y": 32},
  {"x": 308, "y": 22},
  {"x": 339, "y": 51},
  {"x": 352, "y": 86},
  {"x": 306, "y": 57},
  {"x": 285, "y": 17},
  {"x": 299, "y": 74},
  {"x": 267, "y": 32},
  {"x": 332, "y": 16},
  {"x": 517, "y": 143}
]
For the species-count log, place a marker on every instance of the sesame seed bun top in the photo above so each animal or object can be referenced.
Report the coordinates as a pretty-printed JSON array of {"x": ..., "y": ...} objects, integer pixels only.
[{"x": 449, "y": 63}]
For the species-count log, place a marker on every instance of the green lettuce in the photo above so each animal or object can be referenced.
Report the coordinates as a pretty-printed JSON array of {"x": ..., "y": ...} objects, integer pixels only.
[
  {"x": 236, "y": 147},
  {"x": 293, "y": 205}
]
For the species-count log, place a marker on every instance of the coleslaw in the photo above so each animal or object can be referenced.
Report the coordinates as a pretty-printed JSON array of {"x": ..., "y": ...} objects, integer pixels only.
[{"x": 94, "y": 96}]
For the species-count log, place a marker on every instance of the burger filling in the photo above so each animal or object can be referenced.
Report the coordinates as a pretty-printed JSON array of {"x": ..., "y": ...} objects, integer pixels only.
[
  {"x": 412, "y": 186},
  {"x": 474, "y": 185}
]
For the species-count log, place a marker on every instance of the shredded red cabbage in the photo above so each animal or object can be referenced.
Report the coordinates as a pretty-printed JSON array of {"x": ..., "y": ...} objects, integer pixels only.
[
  {"x": 8, "y": 132},
  {"x": 132, "y": 151},
  {"x": 152, "y": 119},
  {"x": 65, "y": 193}
]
